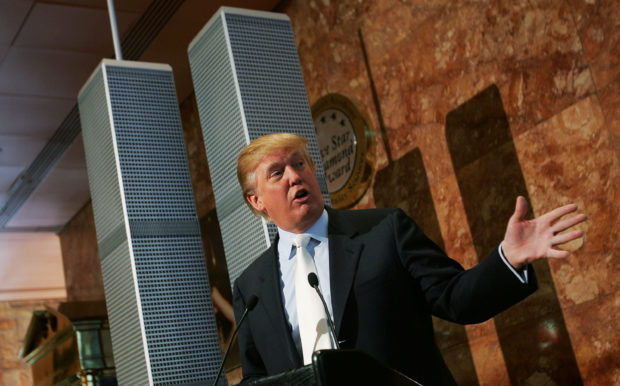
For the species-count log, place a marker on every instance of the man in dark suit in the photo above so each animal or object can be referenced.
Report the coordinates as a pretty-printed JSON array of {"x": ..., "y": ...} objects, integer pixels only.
[{"x": 381, "y": 276}]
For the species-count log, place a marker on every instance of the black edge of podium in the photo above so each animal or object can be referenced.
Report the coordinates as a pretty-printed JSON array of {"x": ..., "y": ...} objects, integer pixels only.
[{"x": 338, "y": 367}]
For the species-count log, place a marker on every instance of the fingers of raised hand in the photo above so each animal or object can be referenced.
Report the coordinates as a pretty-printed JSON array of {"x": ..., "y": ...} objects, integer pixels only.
[
  {"x": 567, "y": 223},
  {"x": 557, "y": 213},
  {"x": 520, "y": 208},
  {"x": 557, "y": 254},
  {"x": 566, "y": 237}
]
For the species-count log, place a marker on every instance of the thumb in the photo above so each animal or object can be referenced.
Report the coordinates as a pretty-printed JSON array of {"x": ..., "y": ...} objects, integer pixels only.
[{"x": 520, "y": 209}]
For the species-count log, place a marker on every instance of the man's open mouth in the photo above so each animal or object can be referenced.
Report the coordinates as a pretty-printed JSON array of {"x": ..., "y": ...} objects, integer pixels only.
[{"x": 301, "y": 194}]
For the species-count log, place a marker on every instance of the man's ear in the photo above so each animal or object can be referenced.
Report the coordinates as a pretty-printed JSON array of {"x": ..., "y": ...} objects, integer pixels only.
[{"x": 255, "y": 201}]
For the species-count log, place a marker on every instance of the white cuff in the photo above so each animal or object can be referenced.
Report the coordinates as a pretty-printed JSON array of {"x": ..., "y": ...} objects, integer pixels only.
[{"x": 521, "y": 274}]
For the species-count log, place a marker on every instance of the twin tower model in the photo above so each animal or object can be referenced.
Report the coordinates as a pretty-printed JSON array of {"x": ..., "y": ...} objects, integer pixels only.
[{"x": 248, "y": 83}]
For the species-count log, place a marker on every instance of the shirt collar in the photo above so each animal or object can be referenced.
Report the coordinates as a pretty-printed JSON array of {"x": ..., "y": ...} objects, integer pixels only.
[{"x": 317, "y": 231}]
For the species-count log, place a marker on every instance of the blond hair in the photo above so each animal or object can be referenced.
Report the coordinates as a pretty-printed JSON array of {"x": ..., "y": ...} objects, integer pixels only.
[{"x": 251, "y": 156}]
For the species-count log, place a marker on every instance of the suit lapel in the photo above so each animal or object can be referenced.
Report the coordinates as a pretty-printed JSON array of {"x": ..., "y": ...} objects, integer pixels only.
[
  {"x": 344, "y": 254},
  {"x": 271, "y": 297}
]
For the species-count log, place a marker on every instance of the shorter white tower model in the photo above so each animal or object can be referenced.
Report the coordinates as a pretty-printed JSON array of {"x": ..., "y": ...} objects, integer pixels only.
[{"x": 154, "y": 272}]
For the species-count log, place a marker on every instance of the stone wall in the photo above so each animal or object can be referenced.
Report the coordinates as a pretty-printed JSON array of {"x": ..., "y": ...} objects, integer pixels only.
[{"x": 14, "y": 321}]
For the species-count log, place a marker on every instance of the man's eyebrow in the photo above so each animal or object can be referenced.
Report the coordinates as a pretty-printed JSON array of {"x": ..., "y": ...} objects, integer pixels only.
[
  {"x": 272, "y": 166},
  {"x": 293, "y": 156},
  {"x": 296, "y": 155}
]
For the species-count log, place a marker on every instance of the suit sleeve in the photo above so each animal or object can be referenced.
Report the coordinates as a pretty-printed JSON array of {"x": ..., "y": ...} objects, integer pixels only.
[
  {"x": 452, "y": 293},
  {"x": 251, "y": 361}
]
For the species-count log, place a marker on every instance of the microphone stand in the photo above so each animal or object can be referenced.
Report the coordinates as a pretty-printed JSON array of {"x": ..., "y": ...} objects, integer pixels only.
[{"x": 313, "y": 280}]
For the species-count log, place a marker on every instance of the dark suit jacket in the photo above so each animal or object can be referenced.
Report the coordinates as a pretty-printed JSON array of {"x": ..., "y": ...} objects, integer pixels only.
[{"x": 387, "y": 278}]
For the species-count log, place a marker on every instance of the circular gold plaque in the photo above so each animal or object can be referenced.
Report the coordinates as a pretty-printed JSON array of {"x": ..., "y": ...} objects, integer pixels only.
[{"x": 347, "y": 148}]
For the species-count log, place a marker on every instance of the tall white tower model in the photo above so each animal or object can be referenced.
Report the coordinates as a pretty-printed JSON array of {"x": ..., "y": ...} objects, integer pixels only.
[
  {"x": 154, "y": 273},
  {"x": 248, "y": 83}
]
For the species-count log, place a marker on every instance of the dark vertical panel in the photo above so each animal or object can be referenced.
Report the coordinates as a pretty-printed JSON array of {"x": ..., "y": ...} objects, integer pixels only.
[
  {"x": 532, "y": 334},
  {"x": 221, "y": 289},
  {"x": 404, "y": 184}
]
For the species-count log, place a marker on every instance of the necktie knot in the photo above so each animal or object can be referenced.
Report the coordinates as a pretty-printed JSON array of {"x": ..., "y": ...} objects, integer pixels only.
[{"x": 302, "y": 240}]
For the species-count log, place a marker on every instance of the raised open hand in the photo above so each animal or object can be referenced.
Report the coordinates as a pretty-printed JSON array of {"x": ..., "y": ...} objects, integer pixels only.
[{"x": 529, "y": 240}]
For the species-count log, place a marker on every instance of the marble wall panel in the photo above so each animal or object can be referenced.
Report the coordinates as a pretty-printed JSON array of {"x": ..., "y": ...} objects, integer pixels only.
[
  {"x": 532, "y": 51},
  {"x": 570, "y": 158},
  {"x": 593, "y": 327},
  {"x": 598, "y": 26},
  {"x": 451, "y": 216},
  {"x": 9, "y": 351},
  {"x": 403, "y": 184},
  {"x": 197, "y": 157},
  {"x": 488, "y": 357},
  {"x": 540, "y": 352},
  {"x": 540, "y": 88},
  {"x": 337, "y": 67},
  {"x": 489, "y": 179},
  {"x": 80, "y": 255},
  {"x": 431, "y": 140},
  {"x": 483, "y": 339},
  {"x": 308, "y": 36},
  {"x": 609, "y": 98},
  {"x": 579, "y": 165},
  {"x": 443, "y": 36},
  {"x": 14, "y": 321},
  {"x": 460, "y": 361}
]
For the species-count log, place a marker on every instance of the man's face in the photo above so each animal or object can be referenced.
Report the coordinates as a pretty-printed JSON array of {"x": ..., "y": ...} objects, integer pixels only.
[{"x": 287, "y": 189}]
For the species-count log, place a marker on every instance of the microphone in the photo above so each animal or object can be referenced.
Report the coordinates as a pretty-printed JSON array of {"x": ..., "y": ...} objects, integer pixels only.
[
  {"x": 313, "y": 280},
  {"x": 249, "y": 306}
]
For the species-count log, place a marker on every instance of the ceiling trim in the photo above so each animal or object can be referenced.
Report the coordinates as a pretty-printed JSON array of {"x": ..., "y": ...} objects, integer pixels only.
[
  {"x": 45, "y": 161},
  {"x": 134, "y": 44}
]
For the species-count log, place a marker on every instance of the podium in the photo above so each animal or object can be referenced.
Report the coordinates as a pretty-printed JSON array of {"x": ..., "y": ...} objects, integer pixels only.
[{"x": 338, "y": 367}]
